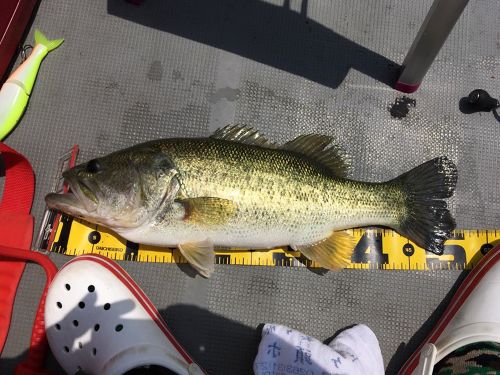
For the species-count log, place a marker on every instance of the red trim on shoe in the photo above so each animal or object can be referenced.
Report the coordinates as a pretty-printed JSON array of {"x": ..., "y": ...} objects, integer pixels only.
[
  {"x": 125, "y": 278},
  {"x": 465, "y": 289}
]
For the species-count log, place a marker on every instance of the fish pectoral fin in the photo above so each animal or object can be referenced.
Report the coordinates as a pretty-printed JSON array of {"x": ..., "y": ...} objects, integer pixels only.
[
  {"x": 208, "y": 210},
  {"x": 313, "y": 146},
  {"x": 333, "y": 253},
  {"x": 243, "y": 134},
  {"x": 200, "y": 255}
]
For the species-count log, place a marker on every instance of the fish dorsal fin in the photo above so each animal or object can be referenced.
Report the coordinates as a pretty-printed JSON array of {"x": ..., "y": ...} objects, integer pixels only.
[
  {"x": 333, "y": 253},
  {"x": 308, "y": 144},
  {"x": 313, "y": 146},
  {"x": 200, "y": 255},
  {"x": 243, "y": 134}
]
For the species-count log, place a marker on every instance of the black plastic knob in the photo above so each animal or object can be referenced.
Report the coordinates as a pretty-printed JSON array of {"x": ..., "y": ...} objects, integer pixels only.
[{"x": 480, "y": 100}]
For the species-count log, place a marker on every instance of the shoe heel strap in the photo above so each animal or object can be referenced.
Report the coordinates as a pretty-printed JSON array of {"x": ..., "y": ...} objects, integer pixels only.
[{"x": 427, "y": 360}]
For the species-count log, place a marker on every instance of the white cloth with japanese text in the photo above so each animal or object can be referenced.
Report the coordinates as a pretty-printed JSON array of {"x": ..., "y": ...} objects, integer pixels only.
[{"x": 284, "y": 351}]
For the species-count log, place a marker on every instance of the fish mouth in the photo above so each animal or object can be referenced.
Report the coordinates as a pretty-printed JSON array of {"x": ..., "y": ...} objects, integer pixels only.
[{"x": 79, "y": 200}]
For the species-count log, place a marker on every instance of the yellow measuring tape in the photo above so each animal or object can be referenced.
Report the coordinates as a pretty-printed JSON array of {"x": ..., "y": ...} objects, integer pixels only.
[{"x": 375, "y": 249}]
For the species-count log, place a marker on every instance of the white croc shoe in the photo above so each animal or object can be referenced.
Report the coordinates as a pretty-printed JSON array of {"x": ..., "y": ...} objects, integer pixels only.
[
  {"x": 99, "y": 321},
  {"x": 472, "y": 316}
]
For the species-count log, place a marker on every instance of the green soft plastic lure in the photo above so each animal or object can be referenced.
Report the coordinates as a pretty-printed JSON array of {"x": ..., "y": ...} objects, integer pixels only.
[{"x": 17, "y": 89}]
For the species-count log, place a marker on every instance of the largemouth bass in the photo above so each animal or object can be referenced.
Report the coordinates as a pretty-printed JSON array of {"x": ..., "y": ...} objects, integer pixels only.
[{"x": 237, "y": 189}]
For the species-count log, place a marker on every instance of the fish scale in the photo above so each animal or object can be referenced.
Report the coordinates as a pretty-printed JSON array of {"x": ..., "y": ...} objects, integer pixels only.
[{"x": 280, "y": 189}]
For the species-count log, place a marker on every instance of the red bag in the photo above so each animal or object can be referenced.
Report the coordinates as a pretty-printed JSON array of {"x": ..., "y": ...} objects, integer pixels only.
[
  {"x": 14, "y": 16},
  {"x": 16, "y": 231}
]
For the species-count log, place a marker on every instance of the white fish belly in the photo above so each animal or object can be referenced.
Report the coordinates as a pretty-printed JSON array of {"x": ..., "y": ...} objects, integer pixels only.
[{"x": 254, "y": 238}]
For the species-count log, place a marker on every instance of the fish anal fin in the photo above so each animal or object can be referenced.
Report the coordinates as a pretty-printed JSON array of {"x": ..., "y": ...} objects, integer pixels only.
[
  {"x": 313, "y": 146},
  {"x": 200, "y": 255},
  {"x": 333, "y": 253},
  {"x": 208, "y": 210},
  {"x": 243, "y": 134}
]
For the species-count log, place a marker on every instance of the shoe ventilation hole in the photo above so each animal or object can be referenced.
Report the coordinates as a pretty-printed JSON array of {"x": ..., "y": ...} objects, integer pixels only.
[
  {"x": 81, "y": 304},
  {"x": 58, "y": 327},
  {"x": 75, "y": 323},
  {"x": 107, "y": 306},
  {"x": 96, "y": 327},
  {"x": 94, "y": 351},
  {"x": 66, "y": 349},
  {"x": 59, "y": 304},
  {"x": 68, "y": 287},
  {"x": 80, "y": 345},
  {"x": 119, "y": 327},
  {"x": 91, "y": 288}
]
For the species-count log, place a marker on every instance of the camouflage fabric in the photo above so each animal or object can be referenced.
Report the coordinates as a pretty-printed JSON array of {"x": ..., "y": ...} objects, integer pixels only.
[{"x": 481, "y": 358}]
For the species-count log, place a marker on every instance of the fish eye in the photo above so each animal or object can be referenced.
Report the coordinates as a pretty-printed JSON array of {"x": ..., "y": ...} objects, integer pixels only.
[{"x": 93, "y": 166}]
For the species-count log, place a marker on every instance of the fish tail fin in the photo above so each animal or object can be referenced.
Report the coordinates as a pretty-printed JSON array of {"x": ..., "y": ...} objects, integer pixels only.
[
  {"x": 50, "y": 44},
  {"x": 427, "y": 221}
]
